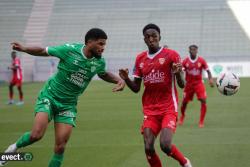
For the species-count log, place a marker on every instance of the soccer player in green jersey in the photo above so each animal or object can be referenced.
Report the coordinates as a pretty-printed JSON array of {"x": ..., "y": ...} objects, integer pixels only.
[{"x": 57, "y": 100}]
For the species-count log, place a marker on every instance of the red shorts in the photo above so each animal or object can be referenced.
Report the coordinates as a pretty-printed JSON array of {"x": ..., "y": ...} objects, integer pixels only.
[
  {"x": 157, "y": 122},
  {"x": 190, "y": 90},
  {"x": 16, "y": 81}
]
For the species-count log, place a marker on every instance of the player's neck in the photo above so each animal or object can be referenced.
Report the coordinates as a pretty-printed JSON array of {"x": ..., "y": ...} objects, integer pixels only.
[
  {"x": 87, "y": 53},
  {"x": 153, "y": 50},
  {"x": 193, "y": 57}
]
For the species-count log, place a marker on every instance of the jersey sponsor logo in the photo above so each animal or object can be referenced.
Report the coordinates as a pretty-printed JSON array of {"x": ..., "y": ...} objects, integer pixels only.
[
  {"x": 154, "y": 77},
  {"x": 187, "y": 65},
  {"x": 162, "y": 60},
  {"x": 78, "y": 78},
  {"x": 194, "y": 72}
]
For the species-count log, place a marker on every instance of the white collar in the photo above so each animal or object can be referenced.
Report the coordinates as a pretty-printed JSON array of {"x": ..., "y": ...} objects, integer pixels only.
[
  {"x": 193, "y": 61},
  {"x": 151, "y": 56}
]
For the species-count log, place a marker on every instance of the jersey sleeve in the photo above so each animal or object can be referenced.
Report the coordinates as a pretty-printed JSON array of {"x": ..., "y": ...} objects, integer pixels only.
[
  {"x": 58, "y": 51},
  {"x": 183, "y": 64},
  {"x": 176, "y": 58},
  {"x": 137, "y": 70},
  {"x": 204, "y": 64},
  {"x": 102, "y": 69}
]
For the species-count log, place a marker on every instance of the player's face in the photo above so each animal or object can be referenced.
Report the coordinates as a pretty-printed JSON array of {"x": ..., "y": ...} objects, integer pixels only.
[
  {"x": 193, "y": 52},
  {"x": 13, "y": 55},
  {"x": 97, "y": 47},
  {"x": 152, "y": 39}
]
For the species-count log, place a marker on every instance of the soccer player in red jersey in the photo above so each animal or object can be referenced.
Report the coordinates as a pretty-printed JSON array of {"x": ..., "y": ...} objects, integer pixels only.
[
  {"x": 158, "y": 67},
  {"x": 193, "y": 66},
  {"x": 16, "y": 79}
]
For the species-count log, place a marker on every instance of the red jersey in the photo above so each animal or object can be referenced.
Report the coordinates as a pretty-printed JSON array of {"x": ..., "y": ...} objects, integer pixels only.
[
  {"x": 17, "y": 73},
  {"x": 160, "y": 94},
  {"x": 193, "y": 69}
]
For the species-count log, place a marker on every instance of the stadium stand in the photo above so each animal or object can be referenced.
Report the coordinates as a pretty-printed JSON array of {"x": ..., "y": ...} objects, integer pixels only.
[{"x": 208, "y": 23}]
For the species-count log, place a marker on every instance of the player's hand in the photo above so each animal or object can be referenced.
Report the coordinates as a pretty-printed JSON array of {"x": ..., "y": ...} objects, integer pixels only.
[
  {"x": 18, "y": 47},
  {"x": 119, "y": 86},
  {"x": 211, "y": 82},
  {"x": 177, "y": 68},
  {"x": 123, "y": 73}
]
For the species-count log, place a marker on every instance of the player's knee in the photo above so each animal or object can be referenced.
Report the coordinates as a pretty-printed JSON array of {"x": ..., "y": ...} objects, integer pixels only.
[
  {"x": 149, "y": 150},
  {"x": 36, "y": 135},
  {"x": 149, "y": 147},
  {"x": 59, "y": 148},
  {"x": 166, "y": 146}
]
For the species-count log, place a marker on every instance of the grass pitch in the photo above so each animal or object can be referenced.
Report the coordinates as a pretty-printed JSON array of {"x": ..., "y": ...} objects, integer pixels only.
[{"x": 108, "y": 130}]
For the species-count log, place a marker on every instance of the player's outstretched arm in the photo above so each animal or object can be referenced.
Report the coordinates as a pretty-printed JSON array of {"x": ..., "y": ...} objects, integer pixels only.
[
  {"x": 177, "y": 70},
  {"x": 112, "y": 78},
  {"x": 32, "y": 50},
  {"x": 134, "y": 85},
  {"x": 210, "y": 78}
]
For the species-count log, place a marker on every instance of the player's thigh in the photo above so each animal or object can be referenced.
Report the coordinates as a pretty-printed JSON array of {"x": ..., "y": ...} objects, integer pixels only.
[
  {"x": 40, "y": 124},
  {"x": 153, "y": 123},
  {"x": 62, "y": 133},
  {"x": 166, "y": 137},
  {"x": 188, "y": 94},
  {"x": 201, "y": 91}
]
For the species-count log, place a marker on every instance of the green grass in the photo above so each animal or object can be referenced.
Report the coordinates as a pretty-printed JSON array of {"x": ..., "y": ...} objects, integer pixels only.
[{"x": 108, "y": 130}]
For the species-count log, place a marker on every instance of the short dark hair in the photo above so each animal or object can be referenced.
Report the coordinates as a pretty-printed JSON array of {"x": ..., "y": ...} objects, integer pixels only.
[
  {"x": 151, "y": 26},
  {"x": 13, "y": 52},
  {"x": 193, "y": 46},
  {"x": 95, "y": 33}
]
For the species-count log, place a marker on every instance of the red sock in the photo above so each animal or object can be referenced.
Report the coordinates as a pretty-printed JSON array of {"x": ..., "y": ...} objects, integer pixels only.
[
  {"x": 203, "y": 112},
  {"x": 21, "y": 96},
  {"x": 177, "y": 155},
  {"x": 154, "y": 160}
]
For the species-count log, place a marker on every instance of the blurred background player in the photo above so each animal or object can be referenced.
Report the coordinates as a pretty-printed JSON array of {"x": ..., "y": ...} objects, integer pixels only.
[
  {"x": 193, "y": 66},
  {"x": 16, "y": 79},
  {"x": 158, "y": 68},
  {"x": 58, "y": 98}
]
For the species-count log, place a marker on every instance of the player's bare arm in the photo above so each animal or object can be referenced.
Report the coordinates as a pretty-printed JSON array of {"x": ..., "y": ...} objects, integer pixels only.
[
  {"x": 210, "y": 78},
  {"x": 177, "y": 70},
  {"x": 111, "y": 78},
  {"x": 134, "y": 85},
  {"x": 13, "y": 67},
  {"x": 32, "y": 50}
]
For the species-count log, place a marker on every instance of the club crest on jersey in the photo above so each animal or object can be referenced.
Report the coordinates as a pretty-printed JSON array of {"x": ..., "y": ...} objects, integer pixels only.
[
  {"x": 162, "y": 60},
  {"x": 141, "y": 65}
]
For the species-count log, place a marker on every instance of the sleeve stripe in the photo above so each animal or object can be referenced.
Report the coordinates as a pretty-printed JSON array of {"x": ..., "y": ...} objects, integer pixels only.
[{"x": 47, "y": 51}]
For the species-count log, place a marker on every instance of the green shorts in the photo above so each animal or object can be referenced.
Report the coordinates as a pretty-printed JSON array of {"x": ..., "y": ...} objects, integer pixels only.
[{"x": 61, "y": 113}]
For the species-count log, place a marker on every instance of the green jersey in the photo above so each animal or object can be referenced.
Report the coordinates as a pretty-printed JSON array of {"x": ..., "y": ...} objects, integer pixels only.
[{"x": 75, "y": 71}]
